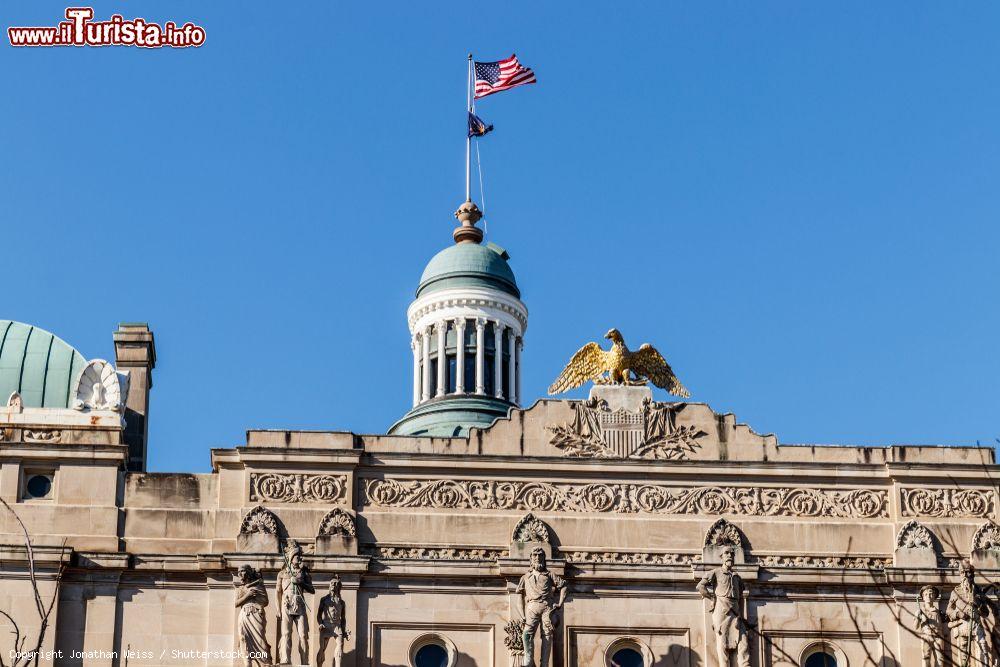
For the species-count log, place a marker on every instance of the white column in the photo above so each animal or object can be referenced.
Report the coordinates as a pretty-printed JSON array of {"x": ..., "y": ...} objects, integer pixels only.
[
  {"x": 460, "y": 356},
  {"x": 511, "y": 371},
  {"x": 442, "y": 332},
  {"x": 480, "y": 356},
  {"x": 415, "y": 346},
  {"x": 517, "y": 390},
  {"x": 498, "y": 359},
  {"x": 426, "y": 341}
]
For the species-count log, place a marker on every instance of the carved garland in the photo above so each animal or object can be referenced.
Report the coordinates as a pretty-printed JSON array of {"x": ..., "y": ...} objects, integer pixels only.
[
  {"x": 849, "y": 562},
  {"x": 626, "y": 498},
  {"x": 297, "y": 488},
  {"x": 435, "y": 553},
  {"x": 948, "y": 503},
  {"x": 631, "y": 558},
  {"x": 259, "y": 520},
  {"x": 338, "y": 522},
  {"x": 914, "y": 535}
]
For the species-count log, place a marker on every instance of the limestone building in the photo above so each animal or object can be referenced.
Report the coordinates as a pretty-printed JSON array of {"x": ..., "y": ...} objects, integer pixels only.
[{"x": 636, "y": 503}]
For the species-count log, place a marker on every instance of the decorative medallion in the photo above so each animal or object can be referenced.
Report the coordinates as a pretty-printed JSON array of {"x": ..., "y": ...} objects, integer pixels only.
[
  {"x": 651, "y": 433},
  {"x": 626, "y": 498},
  {"x": 297, "y": 488}
]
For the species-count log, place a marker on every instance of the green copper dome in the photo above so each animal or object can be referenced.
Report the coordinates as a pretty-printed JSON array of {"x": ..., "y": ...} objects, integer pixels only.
[
  {"x": 39, "y": 366},
  {"x": 451, "y": 416},
  {"x": 469, "y": 265}
]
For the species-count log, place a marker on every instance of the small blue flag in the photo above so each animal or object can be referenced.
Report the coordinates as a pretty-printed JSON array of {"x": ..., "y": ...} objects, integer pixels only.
[{"x": 477, "y": 127}]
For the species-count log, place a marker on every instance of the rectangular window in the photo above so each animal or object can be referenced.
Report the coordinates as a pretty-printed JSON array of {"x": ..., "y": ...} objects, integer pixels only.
[
  {"x": 452, "y": 378},
  {"x": 470, "y": 371},
  {"x": 434, "y": 376},
  {"x": 506, "y": 376},
  {"x": 491, "y": 387}
]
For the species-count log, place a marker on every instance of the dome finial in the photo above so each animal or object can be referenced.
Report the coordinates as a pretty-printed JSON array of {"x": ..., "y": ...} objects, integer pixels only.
[{"x": 468, "y": 214}]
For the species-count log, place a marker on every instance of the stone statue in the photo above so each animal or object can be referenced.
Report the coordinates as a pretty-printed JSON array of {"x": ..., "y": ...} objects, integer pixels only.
[
  {"x": 251, "y": 598},
  {"x": 331, "y": 618},
  {"x": 540, "y": 595},
  {"x": 930, "y": 622},
  {"x": 967, "y": 612},
  {"x": 724, "y": 590},
  {"x": 293, "y": 582}
]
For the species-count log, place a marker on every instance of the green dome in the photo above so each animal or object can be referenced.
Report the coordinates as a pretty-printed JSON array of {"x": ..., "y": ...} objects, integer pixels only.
[
  {"x": 451, "y": 416},
  {"x": 39, "y": 366},
  {"x": 469, "y": 265}
]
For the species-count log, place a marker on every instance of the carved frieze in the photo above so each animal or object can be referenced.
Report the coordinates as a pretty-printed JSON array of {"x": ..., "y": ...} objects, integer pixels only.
[
  {"x": 986, "y": 537},
  {"x": 948, "y": 502},
  {"x": 297, "y": 488},
  {"x": 849, "y": 562},
  {"x": 338, "y": 522},
  {"x": 435, "y": 553},
  {"x": 625, "y": 498},
  {"x": 631, "y": 558},
  {"x": 42, "y": 435},
  {"x": 651, "y": 433}
]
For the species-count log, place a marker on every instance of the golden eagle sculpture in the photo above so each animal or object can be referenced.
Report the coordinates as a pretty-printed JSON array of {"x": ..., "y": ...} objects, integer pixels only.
[{"x": 591, "y": 363}]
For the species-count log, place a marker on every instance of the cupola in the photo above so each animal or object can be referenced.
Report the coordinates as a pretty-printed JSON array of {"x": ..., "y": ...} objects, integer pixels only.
[{"x": 466, "y": 324}]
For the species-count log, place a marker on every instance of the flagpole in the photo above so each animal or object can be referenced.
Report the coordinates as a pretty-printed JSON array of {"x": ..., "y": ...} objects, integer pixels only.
[{"x": 468, "y": 137}]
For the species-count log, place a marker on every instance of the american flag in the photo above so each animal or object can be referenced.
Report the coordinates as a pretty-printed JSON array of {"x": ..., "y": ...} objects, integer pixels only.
[{"x": 494, "y": 77}]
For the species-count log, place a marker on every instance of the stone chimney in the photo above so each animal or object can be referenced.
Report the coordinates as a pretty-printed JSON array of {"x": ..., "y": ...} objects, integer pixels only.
[{"x": 135, "y": 352}]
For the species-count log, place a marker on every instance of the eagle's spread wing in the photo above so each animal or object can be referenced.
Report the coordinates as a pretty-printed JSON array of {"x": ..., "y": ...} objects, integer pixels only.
[
  {"x": 587, "y": 364},
  {"x": 651, "y": 364}
]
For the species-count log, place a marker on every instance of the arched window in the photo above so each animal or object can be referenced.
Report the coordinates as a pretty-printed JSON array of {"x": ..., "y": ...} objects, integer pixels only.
[
  {"x": 627, "y": 657},
  {"x": 431, "y": 655},
  {"x": 821, "y": 658}
]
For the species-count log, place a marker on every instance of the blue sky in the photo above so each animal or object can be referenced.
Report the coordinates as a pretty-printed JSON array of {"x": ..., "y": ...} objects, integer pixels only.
[{"x": 797, "y": 203}]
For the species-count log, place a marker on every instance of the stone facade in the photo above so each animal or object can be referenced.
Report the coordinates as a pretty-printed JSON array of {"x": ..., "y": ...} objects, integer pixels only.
[{"x": 429, "y": 539}]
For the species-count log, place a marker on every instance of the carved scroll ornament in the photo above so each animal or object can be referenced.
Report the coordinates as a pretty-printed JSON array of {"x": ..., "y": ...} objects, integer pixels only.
[
  {"x": 297, "y": 488},
  {"x": 948, "y": 503},
  {"x": 626, "y": 498}
]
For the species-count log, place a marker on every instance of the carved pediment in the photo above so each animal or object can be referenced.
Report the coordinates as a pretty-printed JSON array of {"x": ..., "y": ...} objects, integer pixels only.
[
  {"x": 987, "y": 537},
  {"x": 624, "y": 422},
  {"x": 338, "y": 522},
  {"x": 532, "y": 529},
  {"x": 722, "y": 533},
  {"x": 914, "y": 535},
  {"x": 259, "y": 520}
]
